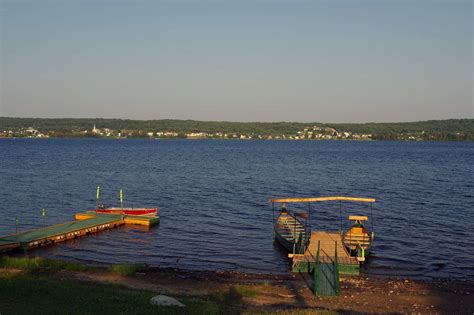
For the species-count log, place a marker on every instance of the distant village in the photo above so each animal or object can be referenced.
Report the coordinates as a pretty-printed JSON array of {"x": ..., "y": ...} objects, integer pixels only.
[{"x": 308, "y": 133}]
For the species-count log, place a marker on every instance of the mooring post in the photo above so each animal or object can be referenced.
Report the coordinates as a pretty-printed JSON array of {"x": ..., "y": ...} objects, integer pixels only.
[
  {"x": 121, "y": 199},
  {"x": 43, "y": 215},
  {"x": 97, "y": 197}
]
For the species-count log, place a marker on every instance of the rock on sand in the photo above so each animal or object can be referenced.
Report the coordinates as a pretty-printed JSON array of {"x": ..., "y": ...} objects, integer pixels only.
[{"x": 164, "y": 300}]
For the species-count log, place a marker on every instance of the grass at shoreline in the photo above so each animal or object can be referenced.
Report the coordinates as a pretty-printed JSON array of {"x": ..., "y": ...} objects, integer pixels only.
[
  {"x": 32, "y": 264},
  {"x": 126, "y": 269},
  {"x": 35, "y": 263},
  {"x": 23, "y": 293},
  {"x": 42, "y": 286},
  {"x": 31, "y": 285},
  {"x": 26, "y": 293}
]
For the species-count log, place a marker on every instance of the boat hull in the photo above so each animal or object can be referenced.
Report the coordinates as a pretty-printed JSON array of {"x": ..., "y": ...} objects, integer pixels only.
[
  {"x": 284, "y": 242},
  {"x": 288, "y": 231}
]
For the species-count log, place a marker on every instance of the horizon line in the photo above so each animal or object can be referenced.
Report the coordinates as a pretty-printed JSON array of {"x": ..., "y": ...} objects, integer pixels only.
[{"x": 241, "y": 122}]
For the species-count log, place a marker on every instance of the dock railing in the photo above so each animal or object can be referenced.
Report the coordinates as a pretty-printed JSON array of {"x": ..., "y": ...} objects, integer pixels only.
[
  {"x": 316, "y": 270},
  {"x": 336, "y": 269},
  {"x": 326, "y": 280}
]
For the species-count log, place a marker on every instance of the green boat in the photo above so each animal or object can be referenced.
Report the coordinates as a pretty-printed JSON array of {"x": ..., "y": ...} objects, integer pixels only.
[{"x": 291, "y": 232}]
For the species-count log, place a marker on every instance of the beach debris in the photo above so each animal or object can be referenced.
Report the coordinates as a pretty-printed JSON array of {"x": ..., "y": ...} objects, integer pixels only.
[{"x": 164, "y": 300}]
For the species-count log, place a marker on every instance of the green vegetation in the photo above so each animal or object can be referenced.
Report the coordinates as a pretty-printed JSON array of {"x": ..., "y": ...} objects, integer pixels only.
[
  {"x": 245, "y": 291},
  {"x": 23, "y": 294},
  {"x": 451, "y": 129},
  {"x": 41, "y": 263},
  {"x": 64, "y": 126},
  {"x": 127, "y": 269}
]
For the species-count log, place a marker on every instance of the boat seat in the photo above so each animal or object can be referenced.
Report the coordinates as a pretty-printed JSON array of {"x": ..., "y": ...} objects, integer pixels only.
[
  {"x": 357, "y": 238},
  {"x": 354, "y": 239},
  {"x": 286, "y": 227},
  {"x": 289, "y": 235}
]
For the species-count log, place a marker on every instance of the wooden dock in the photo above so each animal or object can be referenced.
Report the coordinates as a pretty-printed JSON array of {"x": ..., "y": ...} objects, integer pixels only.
[
  {"x": 327, "y": 241},
  {"x": 147, "y": 221},
  {"x": 85, "y": 224}
]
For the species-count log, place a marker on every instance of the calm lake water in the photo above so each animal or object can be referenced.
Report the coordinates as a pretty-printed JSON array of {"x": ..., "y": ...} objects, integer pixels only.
[{"x": 213, "y": 197}]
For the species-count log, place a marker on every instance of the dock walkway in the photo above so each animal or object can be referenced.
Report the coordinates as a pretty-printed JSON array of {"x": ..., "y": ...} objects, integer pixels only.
[
  {"x": 85, "y": 224},
  {"x": 306, "y": 261}
]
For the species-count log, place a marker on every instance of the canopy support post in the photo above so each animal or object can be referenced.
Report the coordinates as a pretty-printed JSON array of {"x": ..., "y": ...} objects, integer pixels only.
[
  {"x": 340, "y": 213},
  {"x": 294, "y": 237},
  {"x": 273, "y": 213},
  {"x": 309, "y": 213},
  {"x": 372, "y": 216}
]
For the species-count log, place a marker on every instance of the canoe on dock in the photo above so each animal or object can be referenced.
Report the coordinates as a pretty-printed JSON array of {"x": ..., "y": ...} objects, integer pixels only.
[
  {"x": 129, "y": 211},
  {"x": 142, "y": 211}
]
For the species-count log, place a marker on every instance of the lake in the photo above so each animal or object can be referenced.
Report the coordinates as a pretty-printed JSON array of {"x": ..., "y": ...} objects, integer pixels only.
[{"x": 213, "y": 199}]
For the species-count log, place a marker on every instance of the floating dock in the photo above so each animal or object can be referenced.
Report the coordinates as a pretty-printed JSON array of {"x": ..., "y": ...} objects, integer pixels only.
[
  {"x": 305, "y": 262},
  {"x": 127, "y": 219},
  {"x": 85, "y": 224}
]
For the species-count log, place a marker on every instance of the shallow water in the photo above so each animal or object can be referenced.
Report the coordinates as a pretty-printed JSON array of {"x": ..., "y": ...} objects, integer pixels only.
[{"x": 213, "y": 197}]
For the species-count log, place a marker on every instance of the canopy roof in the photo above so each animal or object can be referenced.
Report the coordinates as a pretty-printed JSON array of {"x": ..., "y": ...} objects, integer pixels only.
[{"x": 319, "y": 199}]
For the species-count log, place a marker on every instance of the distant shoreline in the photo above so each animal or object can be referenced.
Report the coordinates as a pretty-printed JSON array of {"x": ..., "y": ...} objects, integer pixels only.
[
  {"x": 433, "y": 130},
  {"x": 230, "y": 140}
]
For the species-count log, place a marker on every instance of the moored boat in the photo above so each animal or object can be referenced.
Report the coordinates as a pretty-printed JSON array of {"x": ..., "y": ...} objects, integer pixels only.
[
  {"x": 358, "y": 239},
  {"x": 101, "y": 208},
  {"x": 290, "y": 232},
  {"x": 297, "y": 236}
]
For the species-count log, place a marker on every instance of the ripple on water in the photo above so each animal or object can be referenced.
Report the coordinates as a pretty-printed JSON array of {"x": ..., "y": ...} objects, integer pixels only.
[{"x": 213, "y": 199}]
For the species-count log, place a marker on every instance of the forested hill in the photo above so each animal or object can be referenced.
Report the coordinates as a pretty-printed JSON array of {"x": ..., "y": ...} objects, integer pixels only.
[{"x": 451, "y": 129}]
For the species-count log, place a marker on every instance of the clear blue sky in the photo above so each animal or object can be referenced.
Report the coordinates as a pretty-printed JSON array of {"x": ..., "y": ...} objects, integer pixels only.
[{"x": 327, "y": 61}]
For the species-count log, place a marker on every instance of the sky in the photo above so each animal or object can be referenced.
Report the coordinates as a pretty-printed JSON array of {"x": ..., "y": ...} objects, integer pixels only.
[{"x": 259, "y": 60}]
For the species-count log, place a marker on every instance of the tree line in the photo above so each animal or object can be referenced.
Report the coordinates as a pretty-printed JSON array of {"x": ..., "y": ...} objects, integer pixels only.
[{"x": 450, "y": 129}]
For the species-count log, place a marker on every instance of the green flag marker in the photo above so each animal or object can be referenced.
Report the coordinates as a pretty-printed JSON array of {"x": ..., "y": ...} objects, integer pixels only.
[
  {"x": 17, "y": 221},
  {"x": 121, "y": 196},
  {"x": 98, "y": 193},
  {"x": 43, "y": 212}
]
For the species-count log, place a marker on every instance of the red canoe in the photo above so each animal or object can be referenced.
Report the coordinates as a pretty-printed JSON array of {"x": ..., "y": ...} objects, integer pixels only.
[{"x": 129, "y": 211}]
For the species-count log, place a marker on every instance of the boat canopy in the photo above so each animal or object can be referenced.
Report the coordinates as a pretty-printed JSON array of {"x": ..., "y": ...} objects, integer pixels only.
[{"x": 320, "y": 199}]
